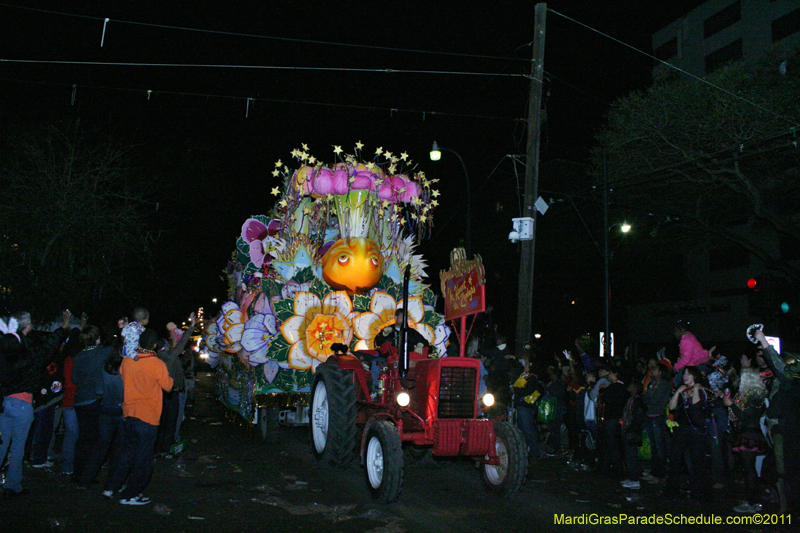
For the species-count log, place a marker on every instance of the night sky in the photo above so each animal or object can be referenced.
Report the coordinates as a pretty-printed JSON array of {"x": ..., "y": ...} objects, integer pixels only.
[{"x": 212, "y": 153}]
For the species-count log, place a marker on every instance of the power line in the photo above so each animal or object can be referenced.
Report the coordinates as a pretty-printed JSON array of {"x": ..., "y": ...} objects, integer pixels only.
[
  {"x": 154, "y": 92},
  {"x": 257, "y": 67},
  {"x": 270, "y": 37}
]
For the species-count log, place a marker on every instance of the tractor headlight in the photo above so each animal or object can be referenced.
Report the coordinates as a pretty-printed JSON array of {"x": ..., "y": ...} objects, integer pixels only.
[
  {"x": 488, "y": 399},
  {"x": 403, "y": 399}
]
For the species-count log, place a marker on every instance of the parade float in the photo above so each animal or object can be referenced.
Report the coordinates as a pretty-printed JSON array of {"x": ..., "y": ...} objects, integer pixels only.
[{"x": 324, "y": 266}]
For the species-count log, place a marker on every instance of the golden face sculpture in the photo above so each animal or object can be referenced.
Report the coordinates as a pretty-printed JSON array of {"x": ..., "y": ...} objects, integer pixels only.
[{"x": 354, "y": 265}]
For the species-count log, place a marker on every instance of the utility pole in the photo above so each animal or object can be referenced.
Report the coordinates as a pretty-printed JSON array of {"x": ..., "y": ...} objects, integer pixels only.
[{"x": 525, "y": 301}]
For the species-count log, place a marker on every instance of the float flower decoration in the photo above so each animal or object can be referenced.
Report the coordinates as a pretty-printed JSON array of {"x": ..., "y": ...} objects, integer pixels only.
[
  {"x": 373, "y": 210},
  {"x": 381, "y": 314},
  {"x": 378, "y": 199},
  {"x": 230, "y": 325},
  {"x": 256, "y": 242},
  {"x": 315, "y": 325},
  {"x": 258, "y": 332}
]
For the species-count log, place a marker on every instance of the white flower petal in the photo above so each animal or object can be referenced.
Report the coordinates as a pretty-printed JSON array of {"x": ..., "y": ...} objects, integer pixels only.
[
  {"x": 382, "y": 302},
  {"x": 337, "y": 301},
  {"x": 292, "y": 329},
  {"x": 416, "y": 310},
  {"x": 305, "y": 301},
  {"x": 298, "y": 356},
  {"x": 363, "y": 324}
]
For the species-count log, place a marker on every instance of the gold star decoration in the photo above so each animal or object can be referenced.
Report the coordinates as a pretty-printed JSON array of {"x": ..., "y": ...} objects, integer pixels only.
[
  {"x": 296, "y": 153},
  {"x": 423, "y": 218},
  {"x": 329, "y": 196},
  {"x": 312, "y": 160},
  {"x": 379, "y": 151},
  {"x": 384, "y": 203},
  {"x": 359, "y": 145},
  {"x": 275, "y": 191},
  {"x": 305, "y": 147},
  {"x": 337, "y": 150},
  {"x": 286, "y": 169},
  {"x": 276, "y": 172},
  {"x": 278, "y": 163},
  {"x": 435, "y": 193},
  {"x": 414, "y": 216},
  {"x": 434, "y": 203},
  {"x": 283, "y": 203},
  {"x": 388, "y": 155},
  {"x": 371, "y": 166},
  {"x": 392, "y": 168},
  {"x": 404, "y": 156},
  {"x": 303, "y": 156}
]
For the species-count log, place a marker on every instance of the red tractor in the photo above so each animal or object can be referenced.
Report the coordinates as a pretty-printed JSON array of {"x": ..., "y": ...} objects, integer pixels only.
[{"x": 431, "y": 405}]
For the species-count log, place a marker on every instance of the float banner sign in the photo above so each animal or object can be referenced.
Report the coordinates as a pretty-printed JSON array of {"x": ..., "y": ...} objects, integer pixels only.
[{"x": 463, "y": 286}]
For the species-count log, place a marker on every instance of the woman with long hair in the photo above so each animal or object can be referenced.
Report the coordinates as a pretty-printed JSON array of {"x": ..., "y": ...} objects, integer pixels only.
[
  {"x": 690, "y": 405},
  {"x": 746, "y": 409}
]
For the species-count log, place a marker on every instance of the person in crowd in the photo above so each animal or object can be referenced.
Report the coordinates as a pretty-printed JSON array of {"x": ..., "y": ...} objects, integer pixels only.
[
  {"x": 110, "y": 435},
  {"x": 527, "y": 391},
  {"x": 718, "y": 429},
  {"x": 132, "y": 330},
  {"x": 143, "y": 381},
  {"x": 586, "y": 453},
  {"x": 47, "y": 399},
  {"x": 573, "y": 419},
  {"x": 22, "y": 358},
  {"x": 612, "y": 399},
  {"x": 690, "y": 404},
  {"x": 633, "y": 418},
  {"x": 502, "y": 366},
  {"x": 187, "y": 395},
  {"x": 556, "y": 388},
  {"x": 87, "y": 374},
  {"x": 68, "y": 408},
  {"x": 747, "y": 408},
  {"x": 655, "y": 398},
  {"x": 171, "y": 400},
  {"x": 692, "y": 352},
  {"x": 783, "y": 415}
]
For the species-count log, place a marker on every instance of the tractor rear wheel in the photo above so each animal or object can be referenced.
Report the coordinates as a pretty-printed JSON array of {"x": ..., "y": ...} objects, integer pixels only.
[
  {"x": 506, "y": 479},
  {"x": 332, "y": 417},
  {"x": 383, "y": 458}
]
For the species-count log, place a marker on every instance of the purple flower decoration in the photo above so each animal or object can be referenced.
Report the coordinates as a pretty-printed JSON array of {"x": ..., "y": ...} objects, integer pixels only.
[
  {"x": 258, "y": 331},
  {"x": 256, "y": 233}
]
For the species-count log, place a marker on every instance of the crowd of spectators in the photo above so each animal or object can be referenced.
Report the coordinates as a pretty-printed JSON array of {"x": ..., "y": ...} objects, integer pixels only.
[
  {"x": 119, "y": 396},
  {"x": 692, "y": 426}
]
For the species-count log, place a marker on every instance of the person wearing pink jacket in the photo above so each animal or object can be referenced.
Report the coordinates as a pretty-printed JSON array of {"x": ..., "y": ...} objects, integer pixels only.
[{"x": 692, "y": 352}]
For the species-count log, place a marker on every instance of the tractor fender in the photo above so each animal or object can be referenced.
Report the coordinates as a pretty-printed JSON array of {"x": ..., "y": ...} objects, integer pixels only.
[{"x": 373, "y": 419}]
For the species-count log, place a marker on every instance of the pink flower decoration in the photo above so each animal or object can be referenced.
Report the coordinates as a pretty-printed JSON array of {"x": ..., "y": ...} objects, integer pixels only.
[
  {"x": 412, "y": 191},
  {"x": 340, "y": 181},
  {"x": 363, "y": 180},
  {"x": 322, "y": 182},
  {"x": 255, "y": 232},
  {"x": 385, "y": 191}
]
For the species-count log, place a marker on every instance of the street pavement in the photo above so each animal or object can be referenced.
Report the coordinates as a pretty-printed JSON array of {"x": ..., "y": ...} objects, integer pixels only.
[{"x": 228, "y": 480}]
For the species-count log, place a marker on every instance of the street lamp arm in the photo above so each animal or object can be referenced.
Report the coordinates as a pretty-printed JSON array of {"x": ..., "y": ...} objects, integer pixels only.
[{"x": 436, "y": 147}]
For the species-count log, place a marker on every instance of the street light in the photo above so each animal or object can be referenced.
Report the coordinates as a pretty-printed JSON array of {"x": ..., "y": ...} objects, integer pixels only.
[
  {"x": 436, "y": 155},
  {"x": 624, "y": 228}
]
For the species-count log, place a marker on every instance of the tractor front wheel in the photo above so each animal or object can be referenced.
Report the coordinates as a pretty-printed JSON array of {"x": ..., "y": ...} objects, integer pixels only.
[
  {"x": 383, "y": 458},
  {"x": 333, "y": 416},
  {"x": 506, "y": 479}
]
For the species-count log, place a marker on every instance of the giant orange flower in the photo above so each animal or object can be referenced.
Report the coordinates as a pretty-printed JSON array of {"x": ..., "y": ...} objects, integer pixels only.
[{"x": 315, "y": 326}]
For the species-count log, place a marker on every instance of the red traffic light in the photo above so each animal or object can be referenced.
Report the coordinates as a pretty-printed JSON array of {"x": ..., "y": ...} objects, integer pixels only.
[{"x": 752, "y": 283}]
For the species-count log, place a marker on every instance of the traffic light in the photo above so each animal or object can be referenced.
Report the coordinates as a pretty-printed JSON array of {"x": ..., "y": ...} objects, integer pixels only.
[
  {"x": 756, "y": 298},
  {"x": 769, "y": 295}
]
